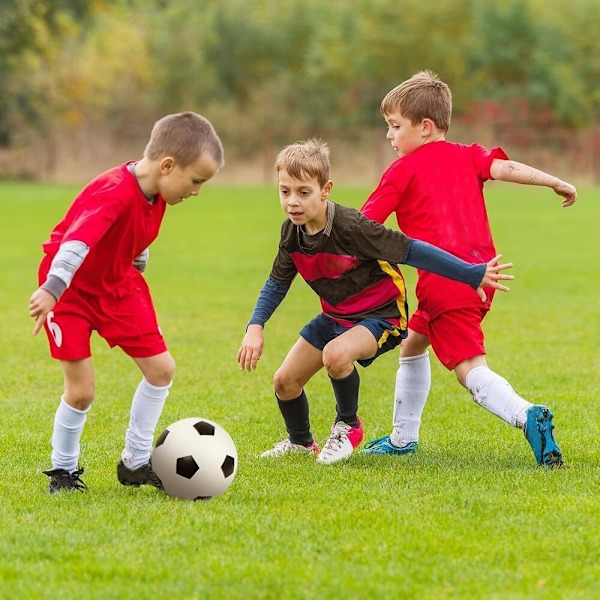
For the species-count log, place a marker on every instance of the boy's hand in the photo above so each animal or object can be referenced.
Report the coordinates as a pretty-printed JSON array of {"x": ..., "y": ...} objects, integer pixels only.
[
  {"x": 567, "y": 191},
  {"x": 251, "y": 349},
  {"x": 40, "y": 304},
  {"x": 492, "y": 275}
]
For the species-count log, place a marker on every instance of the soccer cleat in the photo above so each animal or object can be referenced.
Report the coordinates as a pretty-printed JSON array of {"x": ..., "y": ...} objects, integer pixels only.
[
  {"x": 143, "y": 475},
  {"x": 287, "y": 447},
  {"x": 383, "y": 445},
  {"x": 61, "y": 480},
  {"x": 341, "y": 443},
  {"x": 538, "y": 431}
]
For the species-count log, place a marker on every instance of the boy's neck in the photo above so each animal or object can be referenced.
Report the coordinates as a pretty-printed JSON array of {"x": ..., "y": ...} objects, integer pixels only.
[
  {"x": 438, "y": 136},
  {"x": 146, "y": 177}
]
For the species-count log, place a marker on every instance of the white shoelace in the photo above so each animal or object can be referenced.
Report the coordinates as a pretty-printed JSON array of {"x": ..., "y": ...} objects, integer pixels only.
[{"x": 336, "y": 440}]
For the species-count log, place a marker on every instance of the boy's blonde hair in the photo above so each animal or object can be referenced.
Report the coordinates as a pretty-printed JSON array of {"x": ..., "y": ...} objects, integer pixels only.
[
  {"x": 423, "y": 96},
  {"x": 304, "y": 160},
  {"x": 185, "y": 137}
]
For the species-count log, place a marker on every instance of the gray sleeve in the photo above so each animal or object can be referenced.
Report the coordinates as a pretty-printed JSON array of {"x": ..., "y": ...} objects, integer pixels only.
[
  {"x": 140, "y": 262},
  {"x": 68, "y": 259}
]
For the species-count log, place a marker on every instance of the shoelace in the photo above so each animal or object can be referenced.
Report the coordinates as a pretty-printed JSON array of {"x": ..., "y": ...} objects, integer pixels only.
[
  {"x": 74, "y": 479},
  {"x": 336, "y": 440}
]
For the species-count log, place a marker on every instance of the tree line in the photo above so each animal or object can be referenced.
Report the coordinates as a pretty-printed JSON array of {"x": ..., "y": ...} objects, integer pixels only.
[{"x": 273, "y": 65}]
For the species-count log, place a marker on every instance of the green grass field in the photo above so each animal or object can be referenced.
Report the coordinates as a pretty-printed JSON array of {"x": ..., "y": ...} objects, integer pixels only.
[{"x": 469, "y": 516}]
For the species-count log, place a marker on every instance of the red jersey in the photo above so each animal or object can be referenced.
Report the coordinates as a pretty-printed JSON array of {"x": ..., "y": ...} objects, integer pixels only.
[
  {"x": 437, "y": 195},
  {"x": 113, "y": 217}
]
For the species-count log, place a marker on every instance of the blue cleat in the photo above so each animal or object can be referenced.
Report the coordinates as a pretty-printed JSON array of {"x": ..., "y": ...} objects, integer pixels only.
[
  {"x": 383, "y": 445},
  {"x": 538, "y": 431}
]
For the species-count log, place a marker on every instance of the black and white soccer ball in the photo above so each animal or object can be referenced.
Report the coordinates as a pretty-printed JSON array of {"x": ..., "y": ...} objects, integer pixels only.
[{"x": 195, "y": 459}]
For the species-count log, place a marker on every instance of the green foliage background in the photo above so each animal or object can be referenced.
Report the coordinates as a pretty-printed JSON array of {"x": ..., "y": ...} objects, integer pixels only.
[{"x": 265, "y": 64}]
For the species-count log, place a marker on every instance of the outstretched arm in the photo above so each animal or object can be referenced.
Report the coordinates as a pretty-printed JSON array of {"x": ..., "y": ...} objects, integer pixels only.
[
  {"x": 516, "y": 172},
  {"x": 422, "y": 255}
]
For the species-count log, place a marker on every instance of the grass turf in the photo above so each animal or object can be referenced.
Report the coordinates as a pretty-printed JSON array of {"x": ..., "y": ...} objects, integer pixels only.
[{"x": 469, "y": 516}]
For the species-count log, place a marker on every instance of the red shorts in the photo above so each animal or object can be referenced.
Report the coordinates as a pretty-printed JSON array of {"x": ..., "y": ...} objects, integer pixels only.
[
  {"x": 128, "y": 322},
  {"x": 455, "y": 335}
]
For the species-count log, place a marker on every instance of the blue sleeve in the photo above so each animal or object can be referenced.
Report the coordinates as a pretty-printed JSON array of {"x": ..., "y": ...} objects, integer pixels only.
[
  {"x": 269, "y": 298},
  {"x": 422, "y": 255}
]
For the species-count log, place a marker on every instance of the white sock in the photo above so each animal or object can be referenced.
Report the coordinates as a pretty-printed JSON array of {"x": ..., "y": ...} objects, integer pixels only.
[
  {"x": 68, "y": 426},
  {"x": 146, "y": 408},
  {"x": 495, "y": 394},
  {"x": 413, "y": 382}
]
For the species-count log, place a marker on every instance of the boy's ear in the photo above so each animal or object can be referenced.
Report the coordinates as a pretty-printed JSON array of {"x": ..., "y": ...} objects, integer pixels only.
[
  {"x": 166, "y": 165},
  {"x": 427, "y": 127},
  {"x": 326, "y": 189}
]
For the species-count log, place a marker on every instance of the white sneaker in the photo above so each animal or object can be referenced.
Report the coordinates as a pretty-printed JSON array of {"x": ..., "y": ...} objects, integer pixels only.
[
  {"x": 287, "y": 447},
  {"x": 341, "y": 442}
]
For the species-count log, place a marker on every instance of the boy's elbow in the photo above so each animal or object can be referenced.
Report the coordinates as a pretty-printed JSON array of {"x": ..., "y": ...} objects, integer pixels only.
[{"x": 498, "y": 169}]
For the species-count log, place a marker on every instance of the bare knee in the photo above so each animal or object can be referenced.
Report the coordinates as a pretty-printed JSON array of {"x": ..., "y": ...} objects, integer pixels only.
[
  {"x": 164, "y": 372},
  {"x": 336, "y": 361},
  {"x": 414, "y": 345},
  {"x": 79, "y": 395},
  {"x": 286, "y": 387},
  {"x": 158, "y": 370}
]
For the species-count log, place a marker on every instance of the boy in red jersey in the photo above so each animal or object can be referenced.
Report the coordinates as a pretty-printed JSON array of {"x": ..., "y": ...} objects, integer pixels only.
[
  {"x": 90, "y": 280},
  {"x": 351, "y": 263},
  {"x": 436, "y": 190}
]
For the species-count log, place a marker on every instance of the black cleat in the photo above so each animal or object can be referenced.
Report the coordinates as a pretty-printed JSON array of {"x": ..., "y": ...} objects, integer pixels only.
[
  {"x": 62, "y": 480},
  {"x": 143, "y": 475}
]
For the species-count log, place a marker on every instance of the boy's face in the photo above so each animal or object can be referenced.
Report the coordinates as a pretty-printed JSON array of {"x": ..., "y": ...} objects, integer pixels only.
[
  {"x": 404, "y": 136},
  {"x": 178, "y": 183},
  {"x": 304, "y": 201}
]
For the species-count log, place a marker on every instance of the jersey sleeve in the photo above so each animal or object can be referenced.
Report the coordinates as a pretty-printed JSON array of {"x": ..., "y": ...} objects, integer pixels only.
[
  {"x": 482, "y": 159},
  {"x": 422, "y": 255},
  {"x": 283, "y": 270},
  {"x": 372, "y": 241},
  {"x": 270, "y": 297},
  {"x": 95, "y": 218},
  {"x": 383, "y": 201}
]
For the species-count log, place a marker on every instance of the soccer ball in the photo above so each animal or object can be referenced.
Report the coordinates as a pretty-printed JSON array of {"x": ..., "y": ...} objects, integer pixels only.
[{"x": 195, "y": 459}]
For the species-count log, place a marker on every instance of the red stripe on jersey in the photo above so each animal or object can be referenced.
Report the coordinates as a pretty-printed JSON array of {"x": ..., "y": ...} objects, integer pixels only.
[
  {"x": 366, "y": 300},
  {"x": 323, "y": 265}
]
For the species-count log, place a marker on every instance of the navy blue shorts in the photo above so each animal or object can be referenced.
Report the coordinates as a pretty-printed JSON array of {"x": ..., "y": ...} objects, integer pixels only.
[{"x": 322, "y": 329}]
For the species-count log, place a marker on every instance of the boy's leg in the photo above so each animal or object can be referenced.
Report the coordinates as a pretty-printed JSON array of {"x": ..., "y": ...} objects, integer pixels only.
[
  {"x": 413, "y": 381},
  {"x": 496, "y": 395},
  {"x": 339, "y": 355},
  {"x": 493, "y": 392},
  {"x": 300, "y": 364},
  {"x": 146, "y": 408},
  {"x": 69, "y": 422},
  {"x": 346, "y": 398}
]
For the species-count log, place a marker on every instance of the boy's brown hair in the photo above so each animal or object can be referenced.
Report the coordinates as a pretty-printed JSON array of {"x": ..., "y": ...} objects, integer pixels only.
[
  {"x": 185, "y": 137},
  {"x": 423, "y": 96},
  {"x": 304, "y": 160}
]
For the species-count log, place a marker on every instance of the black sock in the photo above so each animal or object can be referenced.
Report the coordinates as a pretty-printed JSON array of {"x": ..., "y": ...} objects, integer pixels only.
[
  {"x": 346, "y": 396},
  {"x": 295, "y": 416}
]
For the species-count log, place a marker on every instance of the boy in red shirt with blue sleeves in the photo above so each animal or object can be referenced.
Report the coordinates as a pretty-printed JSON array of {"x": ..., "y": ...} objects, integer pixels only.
[
  {"x": 435, "y": 188},
  {"x": 90, "y": 280}
]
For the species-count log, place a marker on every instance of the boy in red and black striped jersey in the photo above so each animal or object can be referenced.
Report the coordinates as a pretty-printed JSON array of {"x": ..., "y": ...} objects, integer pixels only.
[
  {"x": 435, "y": 188},
  {"x": 351, "y": 263},
  {"x": 90, "y": 279}
]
